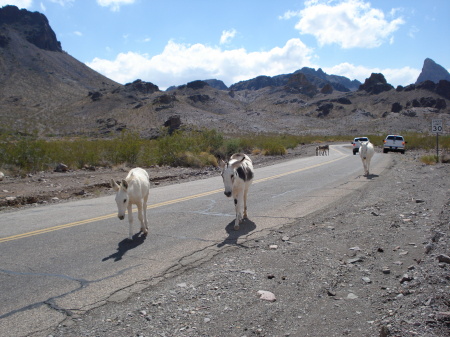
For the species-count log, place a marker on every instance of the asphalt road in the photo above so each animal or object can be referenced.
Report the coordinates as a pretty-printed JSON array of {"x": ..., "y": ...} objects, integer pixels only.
[{"x": 67, "y": 258}]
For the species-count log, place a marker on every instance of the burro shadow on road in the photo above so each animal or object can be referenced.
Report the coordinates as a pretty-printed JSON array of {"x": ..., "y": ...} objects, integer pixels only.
[
  {"x": 246, "y": 227},
  {"x": 125, "y": 245},
  {"x": 370, "y": 176}
]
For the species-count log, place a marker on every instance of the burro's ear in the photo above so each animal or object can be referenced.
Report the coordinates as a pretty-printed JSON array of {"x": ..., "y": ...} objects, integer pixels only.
[
  {"x": 124, "y": 184},
  {"x": 114, "y": 185},
  {"x": 237, "y": 163},
  {"x": 221, "y": 163}
]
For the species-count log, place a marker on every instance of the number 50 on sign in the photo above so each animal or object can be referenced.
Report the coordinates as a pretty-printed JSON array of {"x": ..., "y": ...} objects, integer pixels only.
[{"x": 436, "y": 126}]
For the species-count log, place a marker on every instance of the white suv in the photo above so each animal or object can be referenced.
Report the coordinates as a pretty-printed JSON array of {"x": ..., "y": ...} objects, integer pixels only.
[
  {"x": 356, "y": 143},
  {"x": 394, "y": 143}
]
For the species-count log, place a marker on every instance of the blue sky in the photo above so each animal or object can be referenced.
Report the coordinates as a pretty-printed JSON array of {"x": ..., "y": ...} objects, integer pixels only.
[{"x": 178, "y": 41}]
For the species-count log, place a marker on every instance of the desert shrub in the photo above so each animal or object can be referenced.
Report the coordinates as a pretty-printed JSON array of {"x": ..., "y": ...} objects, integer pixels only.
[
  {"x": 75, "y": 153},
  {"x": 26, "y": 155},
  {"x": 429, "y": 160},
  {"x": 230, "y": 146},
  {"x": 125, "y": 148},
  {"x": 256, "y": 151},
  {"x": 173, "y": 149},
  {"x": 189, "y": 159},
  {"x": 274, "y": 150},
  {"x": 211, "y": 140},
  {"x": 148, "y": 154},
  {"x": 170, "y": 146},
  {"x": 195, "y": 148},
  {"x": 289, "y": 141},
  {"x": 208, "y": 159},
  {"x": 424, "y": 141}
]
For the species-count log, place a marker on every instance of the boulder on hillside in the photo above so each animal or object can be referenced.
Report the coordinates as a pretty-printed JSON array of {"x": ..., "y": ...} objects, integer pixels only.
[
  {"x": 396, "y": 107},
  {"x": 142, "y": 87},
  {"x": 4, "y": 40},
  {"x": 164, "y": 99},
  {"x": 375, "y": 84},
  {"x": 199, "y": 98},
  {"x": 173, "y": 123},
  {"x": 443, "y": 89},
  {"x": 324, "y": 109},
  {"x": 440, "y": 104},
  {"x": 298, "y": 83},
  {"x": 344, "y": 100},
  {"x": 327, "y": 89},
  {"x": 95, "y": 96},
  {"x": 428, "y": 102},
  {"x": 427, "y": 85},
  {"x": 106, "y": 126}
]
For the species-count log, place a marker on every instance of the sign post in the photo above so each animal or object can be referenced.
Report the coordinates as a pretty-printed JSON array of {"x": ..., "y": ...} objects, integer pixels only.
[{"x": 436, "y": 127}]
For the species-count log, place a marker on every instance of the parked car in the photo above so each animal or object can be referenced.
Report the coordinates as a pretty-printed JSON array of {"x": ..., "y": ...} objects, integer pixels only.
[
  {"x": 394, "y": 143},
  {"x": 356, "y": 143}
]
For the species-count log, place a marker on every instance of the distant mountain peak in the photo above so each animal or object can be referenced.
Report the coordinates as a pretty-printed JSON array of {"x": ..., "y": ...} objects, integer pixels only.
[
  {"x": 317, "y": 78},
  {"x": 33, "y": 26},
  {"x": 431, "y": 71}
]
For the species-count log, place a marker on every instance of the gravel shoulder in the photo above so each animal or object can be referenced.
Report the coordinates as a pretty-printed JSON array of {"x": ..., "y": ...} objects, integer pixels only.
[{"x": 375, "y": 264}]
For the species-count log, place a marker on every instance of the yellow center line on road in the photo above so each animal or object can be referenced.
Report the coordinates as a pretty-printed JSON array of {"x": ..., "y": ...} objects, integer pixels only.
[{"x": 164, "y": 203}]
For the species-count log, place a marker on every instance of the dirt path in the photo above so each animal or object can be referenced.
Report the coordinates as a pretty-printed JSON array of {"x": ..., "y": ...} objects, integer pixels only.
[{"x": 375, "y": 264}]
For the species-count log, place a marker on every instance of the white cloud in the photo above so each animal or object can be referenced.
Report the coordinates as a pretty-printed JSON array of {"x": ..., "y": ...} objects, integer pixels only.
[
  {"x": 402, "y": 76},
  {"x": 349, "y": 23},
  {"x": 182, "y": 63},
  {"x": 413, "y": 30},
  {"x": 288, "y": 15},
  {"x": 18, "y": 3},
  {"x": 227, "y": 36},
  {"x": 63, "y": 2},
  {"x": 27, "y": 3},
  {"x": 77, "y": 33},
  {"x": 114, "y": 4}
]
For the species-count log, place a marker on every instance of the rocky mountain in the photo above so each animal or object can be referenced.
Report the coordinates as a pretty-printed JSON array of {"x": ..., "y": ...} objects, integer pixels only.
[
  {"x": 431, "y": 71},
  {"x": 375, "y": 84},
  {"x": 36, "y": 77},
  {"x": 33, "y": 27},
  {"x": 216, "y": 84},
  {"x": 315, "y": 77},
  {"x": 45, "y": 91}
]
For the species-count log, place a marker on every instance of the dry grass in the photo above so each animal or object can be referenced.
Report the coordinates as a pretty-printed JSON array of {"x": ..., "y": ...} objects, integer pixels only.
[{"x": 189, "y": 148}]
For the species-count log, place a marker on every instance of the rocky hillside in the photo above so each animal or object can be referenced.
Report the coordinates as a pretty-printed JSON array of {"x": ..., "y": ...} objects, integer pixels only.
[
  {"x": 39, "y": 82},
  {"x": 44, "y": 90}
]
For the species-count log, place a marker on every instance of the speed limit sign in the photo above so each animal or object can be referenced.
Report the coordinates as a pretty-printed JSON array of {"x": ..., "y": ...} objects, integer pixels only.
[{"x": 436, "y": 126}]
